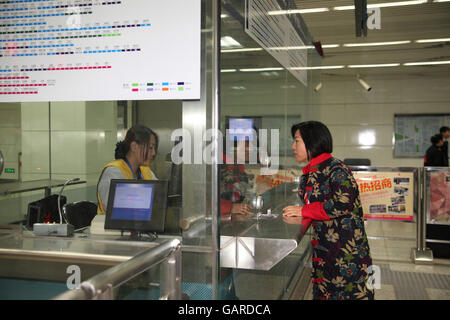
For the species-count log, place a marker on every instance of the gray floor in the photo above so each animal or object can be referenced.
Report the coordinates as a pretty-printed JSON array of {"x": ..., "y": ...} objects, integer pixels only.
[{"x": 400, "y": 279}]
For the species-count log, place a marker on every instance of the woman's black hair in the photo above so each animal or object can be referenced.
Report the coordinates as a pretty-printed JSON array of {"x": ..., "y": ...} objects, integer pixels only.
[
  {"x": 140, "y": 134},
  {"x": 316, "y": 136},
  {"x": 436, "y": 138}
]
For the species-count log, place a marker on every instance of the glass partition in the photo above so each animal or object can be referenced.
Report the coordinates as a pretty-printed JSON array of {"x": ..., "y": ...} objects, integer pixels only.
[{"x": 262, "y": 98}]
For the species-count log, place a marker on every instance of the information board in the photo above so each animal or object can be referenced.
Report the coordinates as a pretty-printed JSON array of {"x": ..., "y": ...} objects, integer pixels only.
[
  {"x": 85, "y": 50},
  {"x": 386, "y": 195},
  {"x": 413, "y": 133}
]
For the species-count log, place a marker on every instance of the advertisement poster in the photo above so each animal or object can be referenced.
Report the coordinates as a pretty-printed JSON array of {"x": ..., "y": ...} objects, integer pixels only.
[
  {"x": 386, "y": 195},
  {"x": 262, "y": 183},
  {"x": 439, "y": 198}
]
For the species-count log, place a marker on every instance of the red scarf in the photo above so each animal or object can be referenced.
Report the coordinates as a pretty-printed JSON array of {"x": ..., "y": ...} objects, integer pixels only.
[{"x": 315, "y": 161}]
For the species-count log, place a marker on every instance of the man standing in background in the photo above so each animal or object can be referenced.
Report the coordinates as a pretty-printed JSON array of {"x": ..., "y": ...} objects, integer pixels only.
[{"x": 445, "y": 131}]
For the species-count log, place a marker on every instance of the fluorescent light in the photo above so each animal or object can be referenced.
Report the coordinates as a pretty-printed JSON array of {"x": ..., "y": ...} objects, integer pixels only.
[
  {"x": 441, "y": 0},
  {"x": 344, "y": 8},
  {"x": 433, "y": 40},
  {"x": 313, "y": 10},
  {"x": 223, "y": 15},
  {"x": 370, "y": 44},
  {"x": 325, "y": 46},
  {"x": 241, "y": 50},
  {"x": 260, "y": 69},
  {"x": 384, "y": 5},
  {"x": 228, "y": 41},
  {"x": 373, "y": 65},
  {"x": 291, "y": 48},
  {"x": 317, "y": 68},
  {"x": 426, "y": 63},
  {"x": 228, "y": 70}
]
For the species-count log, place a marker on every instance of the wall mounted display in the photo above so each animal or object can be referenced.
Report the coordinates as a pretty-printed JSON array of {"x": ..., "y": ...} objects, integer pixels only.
[
  {"x": 412, "y": 133},
  {"x": 97, "y": 50}
]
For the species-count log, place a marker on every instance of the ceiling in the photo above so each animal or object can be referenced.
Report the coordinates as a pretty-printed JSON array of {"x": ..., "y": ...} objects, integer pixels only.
[{"x": 429, "y": 20}]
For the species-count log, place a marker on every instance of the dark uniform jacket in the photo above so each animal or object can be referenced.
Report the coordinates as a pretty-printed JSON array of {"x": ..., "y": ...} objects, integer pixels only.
[{"x": 435, "y": 157}]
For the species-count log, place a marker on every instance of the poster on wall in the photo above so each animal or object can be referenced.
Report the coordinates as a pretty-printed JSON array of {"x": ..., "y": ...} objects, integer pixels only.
[
  {"x": 439, "y": 206},
  {"x": 69, "y": 50},
  {"x": 412, "y": 133},
  {"x": 386, "y": 195}
]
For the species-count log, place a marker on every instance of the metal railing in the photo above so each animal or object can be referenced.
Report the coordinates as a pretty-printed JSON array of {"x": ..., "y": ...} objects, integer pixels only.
[
  {"x": 100, "y": 287},
  {"x": 421, "y": 254}
]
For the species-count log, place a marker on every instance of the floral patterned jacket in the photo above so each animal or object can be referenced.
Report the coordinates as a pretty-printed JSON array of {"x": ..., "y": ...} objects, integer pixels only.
[{"x": 341, "y": 255}]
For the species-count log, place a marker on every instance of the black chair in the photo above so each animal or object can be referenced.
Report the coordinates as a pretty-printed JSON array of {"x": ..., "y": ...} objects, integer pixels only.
[
  {"x": 44, "y": 210},
  {"x": 357, "y": 162},
  {"x": 80, "y": 214}
]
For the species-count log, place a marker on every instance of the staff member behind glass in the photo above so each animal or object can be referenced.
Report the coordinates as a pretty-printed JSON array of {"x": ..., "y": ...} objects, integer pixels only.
[
  {"x": 341, "y": 255},
  {"x": 133, "y": 158}
]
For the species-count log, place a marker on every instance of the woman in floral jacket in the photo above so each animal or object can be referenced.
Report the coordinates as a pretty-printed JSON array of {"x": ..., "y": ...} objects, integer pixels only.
[{"x": 341, "y": 256}]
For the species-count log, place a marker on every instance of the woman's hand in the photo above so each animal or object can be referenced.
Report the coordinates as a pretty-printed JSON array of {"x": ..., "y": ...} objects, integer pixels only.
[
  {"x": 292, "y": 211},
  {"x": 293, "y": 220},
  {"x": 241, "y": 208}
]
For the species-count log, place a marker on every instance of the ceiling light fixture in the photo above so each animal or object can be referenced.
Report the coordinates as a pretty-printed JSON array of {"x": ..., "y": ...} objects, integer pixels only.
[
  {"x": 326, "y": 46},
  {"x": 241, "y": 50},
  {"x": 371, "y": 44},
  {"x": 228, "y": 70},
  {"x": 228, "y": 42},
  {"x": 260, "y": 69},
  {"x": 384, "y": 5},
  {"x": 380, "y": 65},
  {"x": 312, "y": 10},
  {"x": 433, "y": 40},
  {"x": 425, "y": 63},
  {"x": 317, "y": 68}
]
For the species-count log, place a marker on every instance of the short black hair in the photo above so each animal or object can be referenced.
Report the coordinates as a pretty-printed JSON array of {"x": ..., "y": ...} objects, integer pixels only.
[
  {"x": 444, "y": 129},
  {"x": 316, "y": 136},
  {"x": 436, "y": 138}
]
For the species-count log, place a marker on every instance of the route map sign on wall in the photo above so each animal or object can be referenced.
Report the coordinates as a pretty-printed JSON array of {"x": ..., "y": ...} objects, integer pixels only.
[
  {"x": 413, "y": 133},
  {"x": 85, "y": 50}
]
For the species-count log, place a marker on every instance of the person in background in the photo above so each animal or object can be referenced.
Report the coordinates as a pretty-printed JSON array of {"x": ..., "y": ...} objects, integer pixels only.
[
  {"x": 133, "y": 158},
  {"x": 445, "y": 131},
  {"x": 341, "y": 255},
  {"x": 435, "y": 156}
]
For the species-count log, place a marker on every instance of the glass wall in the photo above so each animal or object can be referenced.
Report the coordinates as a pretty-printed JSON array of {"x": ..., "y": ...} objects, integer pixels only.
[{"x": 258, "y": 91}]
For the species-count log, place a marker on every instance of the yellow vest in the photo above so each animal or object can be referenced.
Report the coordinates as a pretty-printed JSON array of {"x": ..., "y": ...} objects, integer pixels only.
[{"x": 126, "y": 171}]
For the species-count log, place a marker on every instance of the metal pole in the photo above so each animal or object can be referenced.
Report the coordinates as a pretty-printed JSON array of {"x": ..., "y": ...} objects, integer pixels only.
[
  {"x": 420, "y": 254},
  {"x": 215, "y": 202},
  {"x": 171, "y": 277}
]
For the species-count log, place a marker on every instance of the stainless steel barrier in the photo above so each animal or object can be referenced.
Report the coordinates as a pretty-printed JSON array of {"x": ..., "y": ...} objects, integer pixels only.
[
  {"x": 420, "y": 254},
  {"x": 100, "y": 287}
]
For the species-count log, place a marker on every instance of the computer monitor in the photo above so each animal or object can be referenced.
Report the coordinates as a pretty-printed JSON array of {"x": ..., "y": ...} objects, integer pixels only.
[
  {"x": 241, "y": 129},
  {"x": 138, "y": 206}
]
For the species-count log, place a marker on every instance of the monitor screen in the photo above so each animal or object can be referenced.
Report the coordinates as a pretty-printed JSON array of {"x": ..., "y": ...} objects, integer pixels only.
[
  {"x": 241, "y": 129},
  {"x": 137, "y": 205}
]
